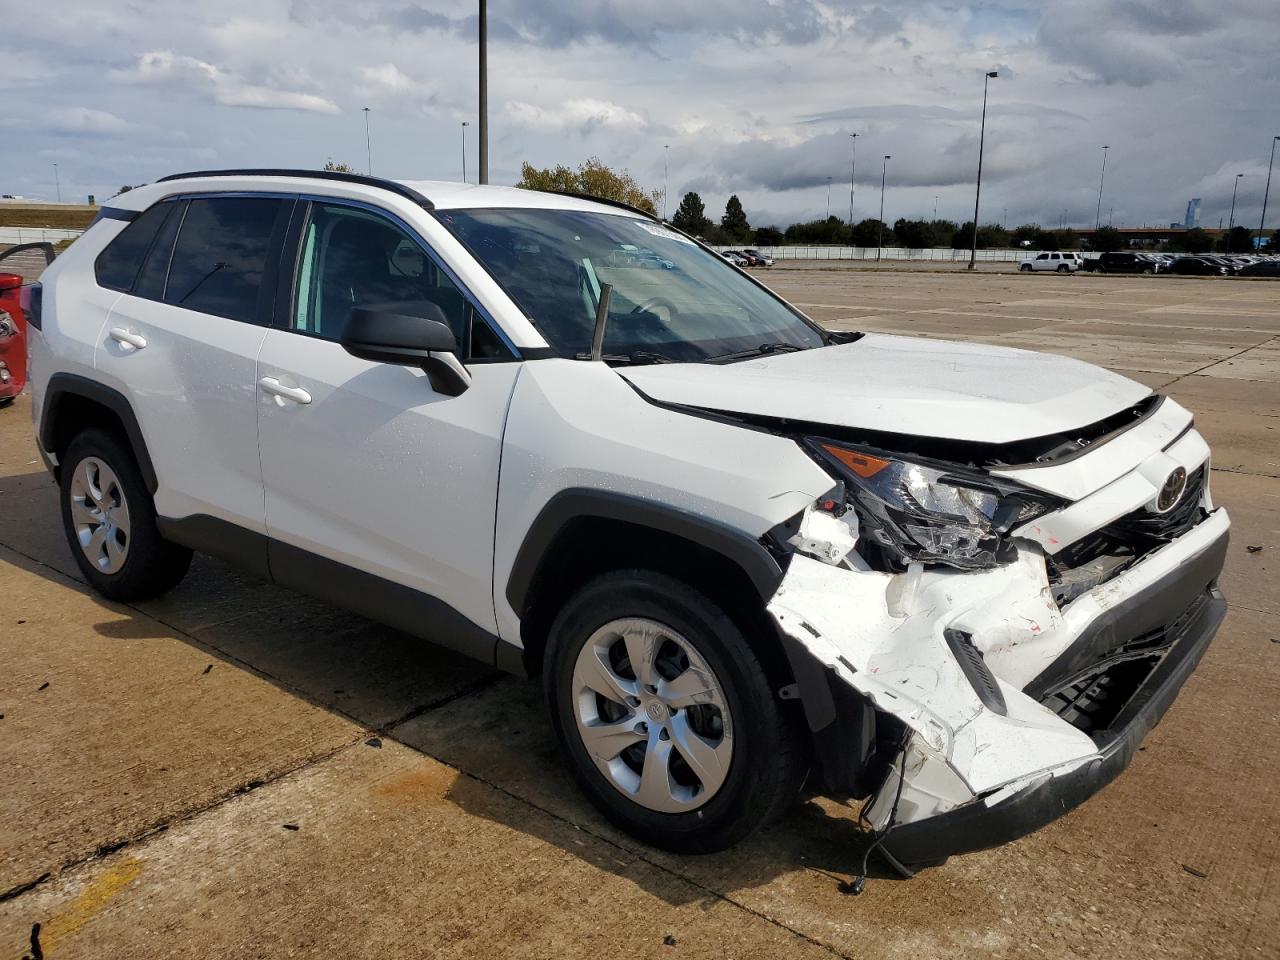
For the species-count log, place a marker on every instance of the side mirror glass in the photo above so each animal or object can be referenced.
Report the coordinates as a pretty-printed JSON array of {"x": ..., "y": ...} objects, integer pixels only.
[{"x": 413, "y": 334}]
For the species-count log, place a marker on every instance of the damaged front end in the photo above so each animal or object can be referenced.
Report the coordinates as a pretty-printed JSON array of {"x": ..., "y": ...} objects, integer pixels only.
[{"x": 977, "y": 655}]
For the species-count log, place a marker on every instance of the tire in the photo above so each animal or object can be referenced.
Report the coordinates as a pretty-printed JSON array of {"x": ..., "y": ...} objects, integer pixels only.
[
  {"x": 1064, "y": 269},
  {"x": 1025, "y": 268},
  {"x": 1148, "y": 270},
  {"x": 6, "y": 401},
  {"x": 130, "y": 561},
  {"x": 766, "y": 762}
]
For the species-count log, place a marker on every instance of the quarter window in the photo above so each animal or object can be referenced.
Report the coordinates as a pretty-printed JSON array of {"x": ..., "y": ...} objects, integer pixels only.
[
  {"x": 117, "y": 266},
  {"x": 221, "y": 256}
]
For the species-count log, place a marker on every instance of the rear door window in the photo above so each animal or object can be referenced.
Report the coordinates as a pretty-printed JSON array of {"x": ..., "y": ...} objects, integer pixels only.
[
  {"x": 117, "y": 266},
  {"x": 220, "y": 259}
]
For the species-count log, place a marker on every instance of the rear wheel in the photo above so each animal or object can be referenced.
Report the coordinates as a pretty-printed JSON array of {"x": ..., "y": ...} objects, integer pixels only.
[
  {"x": 666, "y": 715},
  {"x": 110, "y": 521},
  {"x": 1064, "y": 269},
  {"x": 1025, "y": 268}
]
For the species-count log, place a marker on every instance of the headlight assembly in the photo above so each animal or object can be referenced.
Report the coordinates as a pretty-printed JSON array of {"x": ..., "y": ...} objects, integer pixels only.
[{"x": 933, "y": 513}]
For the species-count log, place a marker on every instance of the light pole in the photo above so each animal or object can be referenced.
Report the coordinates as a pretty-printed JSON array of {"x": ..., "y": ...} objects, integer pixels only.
[
  {"x": 484, "y": 92},
  {"x": 1097, "y": 220},
  {"x": 666, "y": 177},
  {"x": 828, "y": 198},
  {"x": 977, "y": 195},
  {"x": 464, "y": 150},
  {"x": 368, "y": 143},
  {"x": 880, "y": 239},
  {"x": 935, "y": 206},
  {"x": 1262, "y": 221},
  {"x": 853, "y": 171},
  {"x": 57, "y": 183},
  {"x": 1231, "y": 224}
]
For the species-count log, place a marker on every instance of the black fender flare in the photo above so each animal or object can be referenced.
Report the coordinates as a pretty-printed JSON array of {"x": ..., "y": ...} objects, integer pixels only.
[
  {"x": 567, "y": 506},
  {"x": 64, "y": 385}
]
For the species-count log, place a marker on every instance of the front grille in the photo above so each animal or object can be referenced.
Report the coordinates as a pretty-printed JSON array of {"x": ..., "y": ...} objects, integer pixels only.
[
  {"x": 1101, "y": 555},
  {"x": 1092, "y": 700}
]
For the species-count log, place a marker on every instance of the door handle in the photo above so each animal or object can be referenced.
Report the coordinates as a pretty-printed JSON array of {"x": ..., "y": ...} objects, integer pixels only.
[
  {"x": 121, "y": 335},
  {"x": 276, "y": 388}
]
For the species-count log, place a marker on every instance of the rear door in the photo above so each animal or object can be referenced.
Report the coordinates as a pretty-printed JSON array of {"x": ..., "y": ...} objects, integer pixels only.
[
  {"x": 182, "y": 343},
  {"x": 365, "y": 465}
]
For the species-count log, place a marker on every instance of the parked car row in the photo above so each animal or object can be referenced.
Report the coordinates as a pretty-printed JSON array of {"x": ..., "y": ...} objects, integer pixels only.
[
  {"x": 747, "y": 258},
  {"x": 1200, "y": 265}
]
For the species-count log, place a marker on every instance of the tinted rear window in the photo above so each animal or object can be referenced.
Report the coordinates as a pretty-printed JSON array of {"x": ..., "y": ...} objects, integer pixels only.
[
  {"x": 221, "y": 255},
  {"x": 117, "y": 265}
]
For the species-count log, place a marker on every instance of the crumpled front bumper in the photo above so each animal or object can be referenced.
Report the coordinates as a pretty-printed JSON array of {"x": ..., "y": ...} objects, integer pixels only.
[{"x": 976, "y": 777}]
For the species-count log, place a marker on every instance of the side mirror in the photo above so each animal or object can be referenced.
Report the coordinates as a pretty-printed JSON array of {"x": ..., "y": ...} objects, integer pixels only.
[{"x": 410, "y": 334}]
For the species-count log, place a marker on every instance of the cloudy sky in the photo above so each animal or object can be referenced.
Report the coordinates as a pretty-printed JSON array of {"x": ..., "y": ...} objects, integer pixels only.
[{"x": 755, "y": 97}]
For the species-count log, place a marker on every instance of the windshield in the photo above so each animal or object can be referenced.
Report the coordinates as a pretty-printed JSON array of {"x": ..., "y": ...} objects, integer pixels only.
[{"x": 671, "y": 299}]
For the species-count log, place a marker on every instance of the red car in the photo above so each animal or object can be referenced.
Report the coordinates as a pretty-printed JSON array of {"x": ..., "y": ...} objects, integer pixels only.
[{"x": 19, "y": 266}]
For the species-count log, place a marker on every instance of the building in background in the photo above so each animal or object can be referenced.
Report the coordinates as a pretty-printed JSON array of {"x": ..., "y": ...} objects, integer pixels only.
[{"x": 1192, "y": 219}]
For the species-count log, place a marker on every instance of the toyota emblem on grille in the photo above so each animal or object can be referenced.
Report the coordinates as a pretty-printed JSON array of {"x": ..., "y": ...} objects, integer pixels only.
[{"x": 1174, "y": 486}]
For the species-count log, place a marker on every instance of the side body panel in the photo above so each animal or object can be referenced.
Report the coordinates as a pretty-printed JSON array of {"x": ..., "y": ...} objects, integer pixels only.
[
  {"x": 575, "y": 425},
  {"x": 381, "y": 473},
  {"x": 193, "y": 388}
]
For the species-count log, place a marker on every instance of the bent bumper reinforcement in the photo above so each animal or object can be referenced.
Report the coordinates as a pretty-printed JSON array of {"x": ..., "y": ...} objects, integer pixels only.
[{"x": 977, "y": 826}]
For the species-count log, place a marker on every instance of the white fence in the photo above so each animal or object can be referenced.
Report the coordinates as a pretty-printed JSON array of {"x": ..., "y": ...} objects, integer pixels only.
[
  {"x": 886, "y": 253},
  {"x": 16, "y": 235}
]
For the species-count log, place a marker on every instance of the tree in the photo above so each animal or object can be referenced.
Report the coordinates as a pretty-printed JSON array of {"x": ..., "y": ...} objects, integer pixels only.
[
  {"x": 914, "y": 234},
  {"x": 734, "y": 220},
  {"x": 1194, "y": 240},
  {"x": 1273, "y": 245},
  {"x": 691, "y": 215},
  {"x": 1106, "y": 239},
  {"x": 867, "y": 234},
  {"x": 593, "y": 179},
  {"x": 338, "y": 167},
  {"x": 1236, "y": 240},
  {"x": 768, "y": 237}
]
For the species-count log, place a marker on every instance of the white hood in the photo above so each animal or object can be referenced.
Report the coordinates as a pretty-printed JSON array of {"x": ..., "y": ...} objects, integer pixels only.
[{"x": 906, "y": 385}]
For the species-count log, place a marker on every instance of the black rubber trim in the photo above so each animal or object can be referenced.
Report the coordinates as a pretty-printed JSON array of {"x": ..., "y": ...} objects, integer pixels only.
[
  {"x": 1149, "y": 609},
  {"x": 741, "y": 549},
  {"x": 393, "y": 604},
  {"x": 810, "y": 677},
  {"x": 392, "y": 186},
  {"x": 115, "y": 213},
  {"x": 246, "y": 549},
  {"x": 1154, "y": 402},
  {"x": 975, "y": 670},
  {"x": 387, "y": 602},
  {"x": 976, "y": 826},
  {"x": 62, "y": 385}
]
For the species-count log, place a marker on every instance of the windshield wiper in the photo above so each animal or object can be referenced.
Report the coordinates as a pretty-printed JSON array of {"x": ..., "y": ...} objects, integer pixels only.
[
  {"x": 763, "y": 350},
  {"x": 634, "y": 358}
]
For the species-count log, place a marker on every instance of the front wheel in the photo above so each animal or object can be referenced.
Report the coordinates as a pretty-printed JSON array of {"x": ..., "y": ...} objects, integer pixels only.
[
  {"x": 110, "y": 521},
  {"x": 666, "y": 716}
]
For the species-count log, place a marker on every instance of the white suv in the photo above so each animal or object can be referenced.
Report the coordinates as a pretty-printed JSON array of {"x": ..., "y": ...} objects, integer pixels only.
[
  {"x": 1056, "y": 262},
  {"x": 743, "y": 553}
]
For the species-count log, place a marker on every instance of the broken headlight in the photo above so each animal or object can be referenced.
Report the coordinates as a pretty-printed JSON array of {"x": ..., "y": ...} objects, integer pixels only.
[{"x": 932, "y": 513}]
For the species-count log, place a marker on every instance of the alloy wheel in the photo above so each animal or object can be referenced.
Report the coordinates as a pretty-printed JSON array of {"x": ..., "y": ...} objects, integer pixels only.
[{"x": 652, "y": 715}]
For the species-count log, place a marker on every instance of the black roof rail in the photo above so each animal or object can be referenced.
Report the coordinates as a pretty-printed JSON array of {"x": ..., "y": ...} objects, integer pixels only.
[
  {"x": 608, "y": 203},
  {"x": 392, "y": 186}
]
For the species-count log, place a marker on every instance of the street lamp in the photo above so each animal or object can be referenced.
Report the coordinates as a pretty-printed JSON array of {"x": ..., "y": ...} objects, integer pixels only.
[
  {"x": 853, "y": 171},
  {"x": 464, "y": 150},
  {"x": 484, "y": 92},
  {"x": 1231, "y": 224},
  {"x": 368, "y": 144},
  {"x": 1266, "y": 193},
  {"x": 1097, "y": 220},
  {"x": 828, "y": 198},
  {"x": 666, "y": 177},
  {"x": 880, "y": 239},
  {"x": 982, "y": 136},
  {"x": 57, "y": 183},
  {"x": 935, "y": 206}
]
